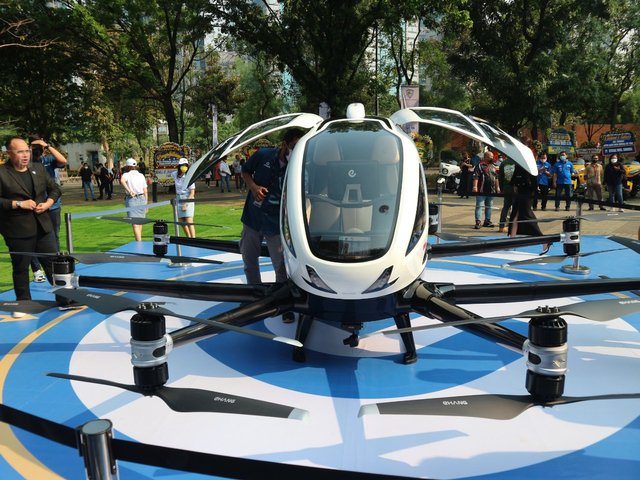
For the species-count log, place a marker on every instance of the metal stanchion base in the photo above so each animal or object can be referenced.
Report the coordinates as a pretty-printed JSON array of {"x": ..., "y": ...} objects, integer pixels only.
[{"x": 576, "y": 270}]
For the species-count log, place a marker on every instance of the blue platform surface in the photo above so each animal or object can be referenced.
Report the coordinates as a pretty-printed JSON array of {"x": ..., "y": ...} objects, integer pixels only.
[{"x": 590, "y": 439}]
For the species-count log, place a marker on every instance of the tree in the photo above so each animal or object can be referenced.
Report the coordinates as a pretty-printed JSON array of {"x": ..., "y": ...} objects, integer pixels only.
[
  {"x": 215, "y": 86},
  {"x": 38, "y": 93},
  {"x": 322, "y": 45},
  {"x": 143, "y": 43},
  {"x": 508, "y": 58},
  {"x": 262, "y": 89},
  {"x": 18, "y": 29}
]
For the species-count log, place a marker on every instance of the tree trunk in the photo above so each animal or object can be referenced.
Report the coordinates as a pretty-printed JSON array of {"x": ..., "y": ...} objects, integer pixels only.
[
  {"x": 104, "y": 143},
  {"x": 170, "y": 117}
]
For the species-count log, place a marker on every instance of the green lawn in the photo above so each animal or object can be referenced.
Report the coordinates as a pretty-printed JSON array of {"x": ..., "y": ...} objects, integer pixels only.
[{"x": 93, "y": 235}]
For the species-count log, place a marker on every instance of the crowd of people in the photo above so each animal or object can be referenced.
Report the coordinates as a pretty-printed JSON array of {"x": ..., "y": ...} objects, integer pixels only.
[{"x": 481, "y": 177}]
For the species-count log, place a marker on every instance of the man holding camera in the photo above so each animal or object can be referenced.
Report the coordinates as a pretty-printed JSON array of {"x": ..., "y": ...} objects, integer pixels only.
[{"x": 51, "y": 163}]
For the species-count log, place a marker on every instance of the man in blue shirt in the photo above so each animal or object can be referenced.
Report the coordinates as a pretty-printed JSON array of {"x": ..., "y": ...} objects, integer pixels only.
[
  {"x": 544, "y": 172},
  {"x": 562, "y": 171},
  {"x": 51, "y": 163},
  {"x": 264, "y": 174}
]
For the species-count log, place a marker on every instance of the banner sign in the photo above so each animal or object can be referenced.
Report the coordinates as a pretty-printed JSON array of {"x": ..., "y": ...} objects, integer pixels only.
[
  {"x": 561, "y": 140},
  {"x": 619, "y": 143},
  {"x": 165, "y": 160},
  {"x": 409, "y": 98},
  {"x": 588, "y": 151}
]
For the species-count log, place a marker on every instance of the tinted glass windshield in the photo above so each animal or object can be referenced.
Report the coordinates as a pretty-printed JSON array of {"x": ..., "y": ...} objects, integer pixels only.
[{"x": 351, "y": 189}]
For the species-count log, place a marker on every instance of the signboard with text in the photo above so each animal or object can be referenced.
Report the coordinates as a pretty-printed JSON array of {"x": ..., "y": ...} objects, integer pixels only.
[
  {"x": 165, "y": 160},
  {"x": 561, "y": 140},
  {"x": 619, "y": 143}
]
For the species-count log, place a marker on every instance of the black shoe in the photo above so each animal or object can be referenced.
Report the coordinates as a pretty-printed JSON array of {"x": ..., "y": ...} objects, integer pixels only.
[
  {"x": 487, "y": 223},
  {"x": 478, "y": 225},
  {"x": 95, "y": 199},
  {"x": 590, "y": 208},
  {"x": 602, "y": 208},
  {"x": 544, "y": 209},
  {"x": 288, "y": 317},
  {"x": 567, "y": 209}
]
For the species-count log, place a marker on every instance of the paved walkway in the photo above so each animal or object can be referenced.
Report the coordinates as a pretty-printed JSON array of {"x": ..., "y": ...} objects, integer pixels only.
[{"x": 457, "y": 219}]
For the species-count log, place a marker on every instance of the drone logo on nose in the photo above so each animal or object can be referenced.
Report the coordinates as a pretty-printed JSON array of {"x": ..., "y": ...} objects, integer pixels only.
[{"x": 352, "y": 173}]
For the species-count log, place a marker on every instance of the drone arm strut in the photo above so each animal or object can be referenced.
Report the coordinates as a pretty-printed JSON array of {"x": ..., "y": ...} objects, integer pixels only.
[
  {"x": 428, "y": 301},
  {"x": 278, "y": 299},
  {"x": 529, "y": 291},
  {"x": 231, "y": 246},
  {"x": 470, "y": 248}
]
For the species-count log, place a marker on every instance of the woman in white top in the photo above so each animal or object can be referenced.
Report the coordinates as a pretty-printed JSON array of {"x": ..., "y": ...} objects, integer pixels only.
[
  {"x": 185, "y": 210},
  {"x": 135, "y": 185}
]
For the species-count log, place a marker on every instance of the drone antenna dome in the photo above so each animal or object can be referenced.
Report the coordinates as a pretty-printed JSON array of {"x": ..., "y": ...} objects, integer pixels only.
[{"x": 355, "y": 111}]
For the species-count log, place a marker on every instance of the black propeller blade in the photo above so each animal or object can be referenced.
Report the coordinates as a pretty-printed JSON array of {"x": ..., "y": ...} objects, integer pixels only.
[
  {"x": 492, "y": 407},
  {"x": 594, "y": 217},
  {"x": 193, "y": 400},
  {"x": 109, "y": 304},
  {"x": 597, "y": 310},
  {"x": 97, "y": 258},
  {"x": 627, "y": 242},
  {"x": 554, "y": 258},
  {"x": 28, "y": 306},
  {"x": 144, "y": 221}
]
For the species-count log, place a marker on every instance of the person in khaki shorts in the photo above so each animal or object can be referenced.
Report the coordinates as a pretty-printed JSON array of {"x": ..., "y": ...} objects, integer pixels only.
[{"x": 594, "y": 181}]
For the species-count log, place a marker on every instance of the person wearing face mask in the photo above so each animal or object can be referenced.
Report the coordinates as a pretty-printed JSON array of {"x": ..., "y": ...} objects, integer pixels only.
[
  {"x": 562, "y": 171},
  {"x": 614, "y": 177},
  {"x": 185, "y": 210},
  {"x": 264, "y": 174}
]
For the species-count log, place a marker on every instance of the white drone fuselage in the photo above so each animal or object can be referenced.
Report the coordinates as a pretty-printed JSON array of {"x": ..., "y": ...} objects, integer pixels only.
[{"x": 354, "y": 210}]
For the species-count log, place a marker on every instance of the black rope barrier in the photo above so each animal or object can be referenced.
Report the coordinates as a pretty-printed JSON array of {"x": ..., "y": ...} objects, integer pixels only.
[{"x": 183, "y": 460}]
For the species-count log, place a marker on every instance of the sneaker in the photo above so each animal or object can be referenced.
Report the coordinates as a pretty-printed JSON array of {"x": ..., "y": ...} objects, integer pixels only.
[
  {"x": 544, "y": 209},
  {"x": 504, "y": 230},
  {"x": 478, "y": 225},
  {"x": 487, "y": 223},
  {"x": 602, "y": 208},
  {"x": 611, "y": 209},
  {"x": 18, "y": 314},
  {"x": 591, "y": 208},
  {"x": 39, "y": 277},
  {"x": 557, "y": 209},
  {"x": 288, "y": 317},
  {"x": 567, "y": 209},
  {"x": 620, "y": 210}
]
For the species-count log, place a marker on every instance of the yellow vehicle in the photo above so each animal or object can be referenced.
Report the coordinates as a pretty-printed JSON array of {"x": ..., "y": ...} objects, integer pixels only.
[
  {"x": 632, "y": 170},
  {"x": 578, "y": 178}
]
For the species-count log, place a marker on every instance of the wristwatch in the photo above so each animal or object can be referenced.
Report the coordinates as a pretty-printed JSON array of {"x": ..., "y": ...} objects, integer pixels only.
[{"x": 19, "y": 204}]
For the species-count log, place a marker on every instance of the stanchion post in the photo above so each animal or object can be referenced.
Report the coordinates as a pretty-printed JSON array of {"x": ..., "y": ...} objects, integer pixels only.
[
  {"x": 94, "y": 444},
  {"x": 154, "y": 191},
  {"x": 67, "y": 226}
]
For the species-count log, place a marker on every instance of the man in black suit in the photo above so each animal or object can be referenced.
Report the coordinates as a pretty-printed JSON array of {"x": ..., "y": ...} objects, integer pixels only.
[{"x": 26, "y": 193}]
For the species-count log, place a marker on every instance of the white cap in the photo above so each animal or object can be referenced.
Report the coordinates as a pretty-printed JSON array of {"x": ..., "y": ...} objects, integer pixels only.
[
  {"x": 131, "y": 163},
  {"x": 183, "y": 161}
]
